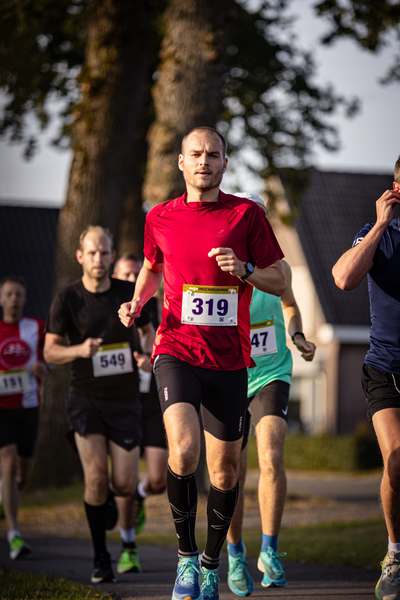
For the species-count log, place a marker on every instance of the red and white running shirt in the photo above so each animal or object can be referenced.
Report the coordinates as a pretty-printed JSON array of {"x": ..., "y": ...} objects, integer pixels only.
[
  {"x": 180, "y": 235},
  {"x": 21, "y": 345}
]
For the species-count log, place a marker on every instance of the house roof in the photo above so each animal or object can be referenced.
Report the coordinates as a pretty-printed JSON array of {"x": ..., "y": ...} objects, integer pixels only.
[
  {"x": 27, "y": 248},
  {"x": 333, "y": 209}
]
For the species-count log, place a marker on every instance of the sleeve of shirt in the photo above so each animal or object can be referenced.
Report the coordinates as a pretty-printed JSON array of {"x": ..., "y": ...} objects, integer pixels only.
[
  {"x": 151, "y": 249},
  {"x": 57, "y": 321},
  {"x": 261, "y": 240},
  {"x": 361, "y": 234}
]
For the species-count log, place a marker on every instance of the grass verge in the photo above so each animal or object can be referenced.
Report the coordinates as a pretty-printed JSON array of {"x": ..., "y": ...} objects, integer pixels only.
[
  {"x": 17, "y": 585},
  {"x": 359, "y": 544}
]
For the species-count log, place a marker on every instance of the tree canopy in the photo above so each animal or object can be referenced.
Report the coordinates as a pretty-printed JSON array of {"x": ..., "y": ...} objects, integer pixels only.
[
  {"x": 371, "y": 23},
  {"x": 270, "y": 100}
]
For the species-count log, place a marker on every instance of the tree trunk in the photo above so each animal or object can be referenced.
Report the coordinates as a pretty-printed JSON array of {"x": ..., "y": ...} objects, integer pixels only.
[
  {"x": 188, "y": 90},
  {"x": 105, "y": 177},
  {"x": 55, "y": 461},
  {"x": 187, "y": 93}
]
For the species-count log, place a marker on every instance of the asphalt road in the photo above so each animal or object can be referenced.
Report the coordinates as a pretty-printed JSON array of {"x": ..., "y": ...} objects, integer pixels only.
[
  {"x": 350, "y": 494},
  {"x": 72, "y": 559}
]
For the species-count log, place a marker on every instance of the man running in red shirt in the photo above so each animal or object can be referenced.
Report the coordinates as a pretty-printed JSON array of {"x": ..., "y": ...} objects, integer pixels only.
[
  {"x": 21, "y": 370},
  {"x": 211, "y": 248}
]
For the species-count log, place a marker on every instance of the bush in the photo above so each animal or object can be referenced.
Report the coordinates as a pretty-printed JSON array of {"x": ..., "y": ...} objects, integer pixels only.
[{"x": 326, "y": 452}]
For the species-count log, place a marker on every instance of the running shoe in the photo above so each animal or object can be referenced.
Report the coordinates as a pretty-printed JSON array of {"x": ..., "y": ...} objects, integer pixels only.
[
  {"x": 140, "y": 518},
  {"x": 239, "y": 580},
  {"x": 129, "y": 560},
  {"x": 187, "y": 580},
  {"x": 18, "y": 548},
  {"x": 271, "y": 566},
  {"x": 388, "y": 586},
  {"x": 102, "y": 572},
  {"x": 209, "y": 586},
  {"x": 112, "y": 511}
]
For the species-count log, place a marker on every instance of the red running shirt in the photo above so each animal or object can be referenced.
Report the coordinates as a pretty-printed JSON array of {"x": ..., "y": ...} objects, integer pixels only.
[
  {"x": 180, "y": 235},
  {"x": 21, "y": 345}
]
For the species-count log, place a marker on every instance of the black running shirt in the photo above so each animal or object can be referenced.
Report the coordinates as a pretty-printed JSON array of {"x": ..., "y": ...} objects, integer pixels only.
[{"x": 78, "y": 314}]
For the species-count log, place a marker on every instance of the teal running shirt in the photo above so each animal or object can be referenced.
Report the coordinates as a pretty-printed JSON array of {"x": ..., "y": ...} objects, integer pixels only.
[{"x": 268, "y": 343}]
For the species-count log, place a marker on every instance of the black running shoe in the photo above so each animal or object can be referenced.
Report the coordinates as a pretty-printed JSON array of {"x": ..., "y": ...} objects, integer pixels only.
[
  {"x": 102, "y": 572},
  {"x": 112, "y": 511}
]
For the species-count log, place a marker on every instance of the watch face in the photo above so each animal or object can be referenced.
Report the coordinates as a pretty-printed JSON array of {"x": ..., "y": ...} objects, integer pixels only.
[{"x": 249, "y": 267}]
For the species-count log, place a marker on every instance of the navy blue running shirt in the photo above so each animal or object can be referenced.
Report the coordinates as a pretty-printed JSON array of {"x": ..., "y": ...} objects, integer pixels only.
[{"x": 384, "y": 299}]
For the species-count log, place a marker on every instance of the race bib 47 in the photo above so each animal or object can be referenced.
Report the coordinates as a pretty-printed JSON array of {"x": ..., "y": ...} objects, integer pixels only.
[{"x": 263, "y": 338}]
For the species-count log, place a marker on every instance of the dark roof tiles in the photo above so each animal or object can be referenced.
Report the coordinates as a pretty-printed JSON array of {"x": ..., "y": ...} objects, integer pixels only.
[{"x": 333, "y": 209}]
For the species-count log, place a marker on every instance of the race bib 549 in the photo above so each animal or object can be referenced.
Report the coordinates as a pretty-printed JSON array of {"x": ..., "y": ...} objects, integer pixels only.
[{"x": 112, "y": 359}]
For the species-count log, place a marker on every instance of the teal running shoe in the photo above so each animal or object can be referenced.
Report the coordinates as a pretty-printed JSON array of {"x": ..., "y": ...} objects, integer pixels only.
[
  {"x": 239, "y": 580},
  {"x": 209, "y": 587},
  {"x": 18, "y": 548},
  {"x": 129, "y": 562},
  {"x": 271, "y": 566},
  {"x": 187, "y": 580},
  {"x": 388, "y": 585}
]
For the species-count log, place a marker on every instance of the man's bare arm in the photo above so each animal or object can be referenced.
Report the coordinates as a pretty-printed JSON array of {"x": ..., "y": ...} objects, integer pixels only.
[
  {"x": 147, "y": 284},
  {"x": 292, "y": 317},
  {"x": 55, "y": 353},
  {"x": 271, "y": 279},
  {"x": 354, "y": 264}
]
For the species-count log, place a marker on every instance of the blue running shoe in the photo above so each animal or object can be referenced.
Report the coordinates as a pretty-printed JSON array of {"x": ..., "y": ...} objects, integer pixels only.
[
  {"x": 271, "y": 566},
  {"x": 187, "y": 580},
  {"x": 209, "y": 587},
  {"x": 239, "y": 580},
  {"x": 388, "y": 585}
]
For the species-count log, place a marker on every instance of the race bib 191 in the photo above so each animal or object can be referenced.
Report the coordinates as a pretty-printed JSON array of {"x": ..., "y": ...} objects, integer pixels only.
[
  {"x": 209, "y": 305},
  {"x": 112, "y": 359},
  {"x": 263, "y": 338},
  {"x": 14, "y": 382}
]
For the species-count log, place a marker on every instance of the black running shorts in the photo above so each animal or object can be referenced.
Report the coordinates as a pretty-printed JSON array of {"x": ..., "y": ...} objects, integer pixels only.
[
  {"x": 19, "y": 426},
  {"x": 381, "y": 389},
  {"x": 152, "y": 420},
  {"x": 220, "y": 395},
  {"x": 119, "y": 422},
  {"x": 271, "y": 400}
]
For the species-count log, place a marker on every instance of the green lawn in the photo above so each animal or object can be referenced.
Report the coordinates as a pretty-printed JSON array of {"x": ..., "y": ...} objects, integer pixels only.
[
  {"x": 354, "y": 544},
  {"x": 16, "y": 585}
]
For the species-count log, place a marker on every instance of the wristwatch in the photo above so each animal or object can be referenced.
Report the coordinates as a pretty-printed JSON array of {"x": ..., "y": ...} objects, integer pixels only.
[
  {"x": 249, "y": 271},
  {"x": 298, "y": 333}
]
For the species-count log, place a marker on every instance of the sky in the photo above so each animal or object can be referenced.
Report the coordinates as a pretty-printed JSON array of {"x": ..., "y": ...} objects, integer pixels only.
[{"x": 370, "y": 142}]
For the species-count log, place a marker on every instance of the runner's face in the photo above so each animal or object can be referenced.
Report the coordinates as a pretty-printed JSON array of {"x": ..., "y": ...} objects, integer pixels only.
[
  {"x": 12, "y": 300},
  {"x": 96, "y": 256},
  {"x": 128, "y": 270},
  {"x": 202, "y": 161}
]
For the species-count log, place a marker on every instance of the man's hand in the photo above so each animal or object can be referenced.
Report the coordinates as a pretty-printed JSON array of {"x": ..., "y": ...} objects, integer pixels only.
[
  {"x": 143, "y": 362},
  {"x": 90, "y": 347},
  {"x": 39, "y": 369},
  {"x": 228, "y": 261},
  {"x": 306, "y": 348},
  {"x": 128, "y": 312},
  {"x": 385, "y": 206}
]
